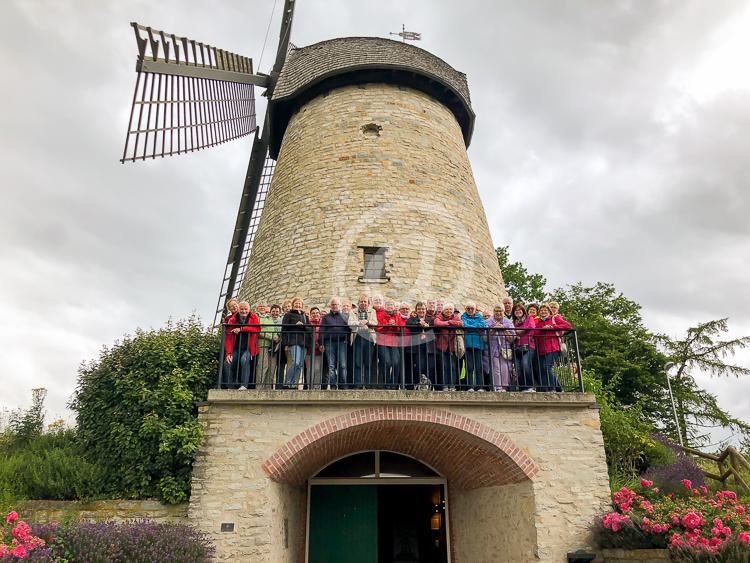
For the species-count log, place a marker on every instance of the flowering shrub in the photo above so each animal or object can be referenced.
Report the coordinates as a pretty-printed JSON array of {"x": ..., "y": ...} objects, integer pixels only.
[
  {"x": 17, "y": 540},
  {"x": 103, "y": 542},
  {"x": 132, "y": 542},
  {"x": 695, "y": 526}
]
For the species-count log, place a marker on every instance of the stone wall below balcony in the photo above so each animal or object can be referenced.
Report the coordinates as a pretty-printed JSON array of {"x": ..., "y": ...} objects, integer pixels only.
[{"x": 44, "y": 511}]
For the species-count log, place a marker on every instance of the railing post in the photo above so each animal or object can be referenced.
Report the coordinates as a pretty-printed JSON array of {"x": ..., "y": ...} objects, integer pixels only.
[
  {"x": 221, "y": 356},
  {"x": 578, "y": 362},
  {"x": 403, "y": 358}
]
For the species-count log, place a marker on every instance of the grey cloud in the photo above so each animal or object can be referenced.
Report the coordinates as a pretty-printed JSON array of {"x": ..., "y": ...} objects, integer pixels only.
[{"x": 579, "y": 170}]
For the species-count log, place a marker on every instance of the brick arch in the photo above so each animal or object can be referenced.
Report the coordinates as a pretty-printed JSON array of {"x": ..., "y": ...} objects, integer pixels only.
[{"x": 468, "y": 453}]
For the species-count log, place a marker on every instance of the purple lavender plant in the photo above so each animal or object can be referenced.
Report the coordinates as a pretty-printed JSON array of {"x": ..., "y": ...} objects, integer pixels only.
[
  {"x": 133, "y": 542},
  {"x": 668, "y": 477}
]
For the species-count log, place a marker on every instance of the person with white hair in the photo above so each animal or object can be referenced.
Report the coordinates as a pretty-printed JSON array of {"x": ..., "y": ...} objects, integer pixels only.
[
  {"x": 446, "y": 324},
  {"x": 240, "y": 345},
  {"x": 361, "y": 321},
  {"x": 334, "y": 333},
  {"x": 500, "y": 349}
]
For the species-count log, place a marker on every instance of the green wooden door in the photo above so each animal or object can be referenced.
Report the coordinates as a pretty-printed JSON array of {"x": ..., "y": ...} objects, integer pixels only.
[{"x": 343, "y": 524}]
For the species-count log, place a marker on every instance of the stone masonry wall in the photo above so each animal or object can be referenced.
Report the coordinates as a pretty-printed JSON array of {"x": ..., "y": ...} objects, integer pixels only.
[
  {"x": 43, "y": 511},
  {"x": 501, "y": 521},
  {"x": 551, "y": 513},
  {"x": 408, "y": 187}
]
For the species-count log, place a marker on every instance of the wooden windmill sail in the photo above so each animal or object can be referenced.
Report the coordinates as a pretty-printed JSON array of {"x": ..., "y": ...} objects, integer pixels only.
[{"x": 190, "y": 96}]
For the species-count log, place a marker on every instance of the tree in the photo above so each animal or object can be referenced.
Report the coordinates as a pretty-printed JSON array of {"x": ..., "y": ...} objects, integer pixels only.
[
  {"x": 702, "y": 349},
  {"x": 615, "y": 344},
  {"x": 25, "y": 425},
  {"x": 522, "y": 286},
  {"x": 136, "y": 408}
]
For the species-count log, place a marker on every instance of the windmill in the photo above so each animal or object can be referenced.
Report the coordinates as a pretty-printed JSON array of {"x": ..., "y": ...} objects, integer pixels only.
[{"x": 190, "y": 96}]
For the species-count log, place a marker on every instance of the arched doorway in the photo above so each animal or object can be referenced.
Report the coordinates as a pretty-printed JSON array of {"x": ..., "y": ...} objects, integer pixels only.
[{"x": 377, "y": 506}]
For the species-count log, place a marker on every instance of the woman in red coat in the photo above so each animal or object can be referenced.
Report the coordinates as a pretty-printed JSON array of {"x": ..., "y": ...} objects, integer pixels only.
[
  {"x": 389, "y": 329},
  {"x": 240, "y": 344}
]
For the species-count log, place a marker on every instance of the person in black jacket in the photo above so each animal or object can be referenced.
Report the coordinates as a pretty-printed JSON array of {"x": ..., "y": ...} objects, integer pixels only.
[
  {"x": 422, "y": 347},
  {"x": 295, "y": 338},
  {"x": 334, "y": 333}
]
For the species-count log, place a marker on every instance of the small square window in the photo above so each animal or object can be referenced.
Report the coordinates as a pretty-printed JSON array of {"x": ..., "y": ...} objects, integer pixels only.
[{"x": 374, "y": 264}]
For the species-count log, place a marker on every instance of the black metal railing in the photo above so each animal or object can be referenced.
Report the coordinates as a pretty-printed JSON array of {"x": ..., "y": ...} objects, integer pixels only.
[{"x": 312, "y": 356}]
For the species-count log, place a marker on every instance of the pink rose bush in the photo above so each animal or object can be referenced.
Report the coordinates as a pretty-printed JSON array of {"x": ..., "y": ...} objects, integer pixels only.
[
  {"x": 16, "y": 539},
  {"x": 695, "y": 526}
]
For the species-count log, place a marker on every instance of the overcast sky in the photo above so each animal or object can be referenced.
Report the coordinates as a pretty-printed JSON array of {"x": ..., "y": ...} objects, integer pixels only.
[{"x": 611, "y": 144}]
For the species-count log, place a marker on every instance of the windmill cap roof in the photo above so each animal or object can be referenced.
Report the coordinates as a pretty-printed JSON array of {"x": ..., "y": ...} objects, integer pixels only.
[{"x": 312, "y": 70}]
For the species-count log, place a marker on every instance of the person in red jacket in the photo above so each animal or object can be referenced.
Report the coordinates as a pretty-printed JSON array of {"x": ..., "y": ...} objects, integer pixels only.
[
  {"x": 448, "y": 367},
  {"x": 240, "y": 345},
  {"x": 389, "y": 344},
  {"x": 548, "y": 346}
]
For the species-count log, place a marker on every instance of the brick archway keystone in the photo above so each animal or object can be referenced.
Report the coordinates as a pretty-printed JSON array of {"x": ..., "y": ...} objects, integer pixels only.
[{"x": 468, "y": 453}]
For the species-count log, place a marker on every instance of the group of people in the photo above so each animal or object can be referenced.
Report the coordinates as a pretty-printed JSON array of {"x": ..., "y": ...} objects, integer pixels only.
[{"x": 390, "y": 345}]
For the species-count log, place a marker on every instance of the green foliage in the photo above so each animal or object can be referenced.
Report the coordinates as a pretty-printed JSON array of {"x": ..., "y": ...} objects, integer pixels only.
[
  {"x": 49, "y": 466},
  {"x": 628, "y": 441},
  {"x": 520, "y": 284},
  {"x": 136, "y": 408},
  {"x": 616, "y": 345}
]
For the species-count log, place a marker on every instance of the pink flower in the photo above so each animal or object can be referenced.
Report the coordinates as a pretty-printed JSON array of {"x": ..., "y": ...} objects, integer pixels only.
[
  {"x": 687, "y": 483},
  {"x": 12, "y": 517},
  {"x": 19, "y": 551},
  {"x": 646, "y": 483},
  {"x": 744, "y": 537},
  {"x": 703, "y": 489},
  {"x": 647, "y": 506},
  {"x": 691, "y": 520},
  {"x": 740, "y": 509},
  {"x": 22, "y": 532}
]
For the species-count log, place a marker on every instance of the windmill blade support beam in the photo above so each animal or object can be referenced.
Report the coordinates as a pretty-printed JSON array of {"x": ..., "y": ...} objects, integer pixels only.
[{"x": 163, "y": 67}]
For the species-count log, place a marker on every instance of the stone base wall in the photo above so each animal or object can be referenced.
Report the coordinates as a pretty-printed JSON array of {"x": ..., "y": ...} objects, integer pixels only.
[
  {"x": 500, "y": 519},
  {"x": 633, "y": 556},
  {"x": 256, "y": 457},
  {"x": 44, "y": 511}
]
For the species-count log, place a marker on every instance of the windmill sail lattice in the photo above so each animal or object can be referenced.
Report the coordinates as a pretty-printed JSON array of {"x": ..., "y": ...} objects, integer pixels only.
[
  {"x": 188, "y": 96},
  {"x": 228, "y": 289}
]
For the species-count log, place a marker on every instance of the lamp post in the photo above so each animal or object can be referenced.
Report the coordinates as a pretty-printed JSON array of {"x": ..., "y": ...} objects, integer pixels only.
[{"x": 667, "y": 367}]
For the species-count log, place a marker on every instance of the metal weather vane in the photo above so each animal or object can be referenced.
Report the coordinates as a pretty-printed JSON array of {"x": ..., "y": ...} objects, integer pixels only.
[{"x": 407, "y": 35}]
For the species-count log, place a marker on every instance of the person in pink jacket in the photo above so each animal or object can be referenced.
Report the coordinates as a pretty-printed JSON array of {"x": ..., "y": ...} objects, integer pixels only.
[
  {"x": 446, "y": 323},
  {"x": 524, "y": 348},
  {"x": 548, "y": 346}
]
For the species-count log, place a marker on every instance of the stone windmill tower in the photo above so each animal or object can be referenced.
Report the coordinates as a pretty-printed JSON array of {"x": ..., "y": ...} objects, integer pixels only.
[
  {"x": 372, "y": 189},
  {"x": 359, "y": 180}
]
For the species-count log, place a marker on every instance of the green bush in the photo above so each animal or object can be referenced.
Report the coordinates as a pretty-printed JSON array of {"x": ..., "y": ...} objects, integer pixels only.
[
  {"x": 48, "y": 466},
  {"x": 628, "y": 441},
  {"x": 136, "y": 410}
]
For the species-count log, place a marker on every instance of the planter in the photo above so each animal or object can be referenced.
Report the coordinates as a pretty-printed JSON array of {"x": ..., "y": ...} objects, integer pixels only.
[{"x": 633, "y": 556}]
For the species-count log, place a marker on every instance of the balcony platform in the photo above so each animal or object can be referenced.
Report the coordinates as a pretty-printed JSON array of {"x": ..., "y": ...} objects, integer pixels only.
[{"x": 399, "y": 397}]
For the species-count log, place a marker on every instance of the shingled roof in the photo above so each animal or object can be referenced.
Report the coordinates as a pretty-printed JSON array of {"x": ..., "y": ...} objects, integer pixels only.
[{"x": 309, "y": 71}]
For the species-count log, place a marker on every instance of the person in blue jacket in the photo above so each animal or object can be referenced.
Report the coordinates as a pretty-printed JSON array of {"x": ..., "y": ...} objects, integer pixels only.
[{"x": 474, "y": 342}]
